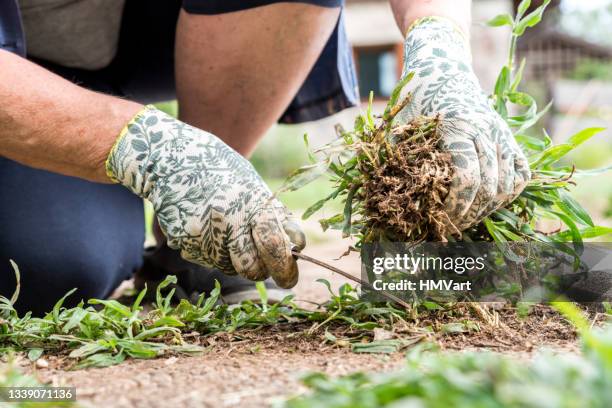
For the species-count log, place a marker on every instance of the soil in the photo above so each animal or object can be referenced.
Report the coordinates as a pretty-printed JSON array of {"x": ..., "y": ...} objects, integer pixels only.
[{"x": 255, "y": 368}]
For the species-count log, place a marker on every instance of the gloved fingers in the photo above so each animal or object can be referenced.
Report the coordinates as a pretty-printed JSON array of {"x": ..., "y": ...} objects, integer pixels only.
[
  {"x": 487, "y": 190},
  {"x": 295, "y": 233},
  {"x": 466, "y": 178},
  {"x": 513, "y": 173},
  {"x": 274, "y": 246},
  {"x": 245, "y": 260},
  {"x": 522, "y": 174}
]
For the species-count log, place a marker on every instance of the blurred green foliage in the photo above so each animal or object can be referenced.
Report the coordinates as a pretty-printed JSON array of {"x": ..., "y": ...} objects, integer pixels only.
[
  {"x": 280, "y": 152},
  {"x": 592, "y": 69}
]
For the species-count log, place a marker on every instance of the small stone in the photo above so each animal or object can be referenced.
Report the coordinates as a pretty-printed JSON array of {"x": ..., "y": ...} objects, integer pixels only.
[
  {"x": 171, "y": 361},
  {"x": 42, "y": 363}
]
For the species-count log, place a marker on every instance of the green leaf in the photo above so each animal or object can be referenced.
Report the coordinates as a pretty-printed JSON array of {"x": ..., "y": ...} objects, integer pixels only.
[
  {"x": 58, "y": 305},
  {"x": 113, "y": 305},
  {"x": 156, "y": 331},
  {"x": 530, "y": 20},
  {"x": 348, "y": 210},
  {"x": 521, "y": 98},
  {"x": 502, "y": 83},
  {"x": 369, "y": 115},
  {"x": 102, "y": 360},
  {"x": 522, "y": 8},
  {"x": 263, "y": 294},
  {"x": 395, "y": 94},
  {"x": 35, "y": 353},
  {"x": 501, "y": 20},
  {"x": 552, "y": 155},
  {"x": 518, "y": 77},
  {"x": 585, "y": 233},
  {"x": 532, "y": 143},
  {"x": 573, "y": 208},
  {"x": 333, "y": 222},
  {"x": 451, "y": 328},
  {"x": 159, "y": 299},
  {"x": 318, "y": 205},
  {"x": 311, "y": 157},
  {"x": 303, "y": 176},
  {"x": 327, "y": 285},
  {"x": 584, "y": 135},
  {"x": 77, "y": 316},
  {"x": 380, "y": 346},
  {"x": 139, "y": 298},
  {"x": 15, "y": 295},
  {"x": 507, "y": 216},
  {"x": 170, "y": 321},
  {"x": 532, "y": 120},
  {"x": 573, "y": 229},
  {"x": 500, "y": 240}
]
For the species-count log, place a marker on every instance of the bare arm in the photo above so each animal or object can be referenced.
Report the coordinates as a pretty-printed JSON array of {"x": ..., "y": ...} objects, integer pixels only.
[
  {"x": 237, "y": 72},
  {"x": 49, "y": 123},
  {"x": 407, "y": 11}
]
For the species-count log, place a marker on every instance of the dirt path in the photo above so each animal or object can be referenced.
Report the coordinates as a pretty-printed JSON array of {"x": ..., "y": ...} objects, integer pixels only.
[{"x": 255, "y": 368}]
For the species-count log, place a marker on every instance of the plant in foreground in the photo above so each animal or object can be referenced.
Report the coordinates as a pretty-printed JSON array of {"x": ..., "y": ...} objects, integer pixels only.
[
  {"x": 480, "y": 379},
  {"x": 106, "y": 332},
  {"x": 392, "y": 179}
]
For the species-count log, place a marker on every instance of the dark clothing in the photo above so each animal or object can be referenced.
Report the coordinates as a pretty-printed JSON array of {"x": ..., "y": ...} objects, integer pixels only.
[
  {"x": 64, "y": 232},
  {"x": 227, "y": 6},
  {"x": 143, "y": 69}
]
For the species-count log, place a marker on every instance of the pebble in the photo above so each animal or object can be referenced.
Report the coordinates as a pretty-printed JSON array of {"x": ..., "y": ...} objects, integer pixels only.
[{"x": 42, "y": 363}]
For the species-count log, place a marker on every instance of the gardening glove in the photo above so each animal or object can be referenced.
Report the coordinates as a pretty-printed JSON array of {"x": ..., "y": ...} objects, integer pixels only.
[
  {"x": 490, "y": 169},
  {"x": 210, "y": 202}
]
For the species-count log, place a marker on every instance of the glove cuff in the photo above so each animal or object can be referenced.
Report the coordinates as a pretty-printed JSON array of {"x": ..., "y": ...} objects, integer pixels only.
[
  {"x": 437, "y": 19},
  {"x": 110, "y": 163},
  {"x": 132, "y": 156},
  {"x": 437, "y": 36}
]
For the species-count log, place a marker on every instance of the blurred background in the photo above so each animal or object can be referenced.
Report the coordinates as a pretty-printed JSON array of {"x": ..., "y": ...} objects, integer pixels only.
[{"x": 569, "y": 62}]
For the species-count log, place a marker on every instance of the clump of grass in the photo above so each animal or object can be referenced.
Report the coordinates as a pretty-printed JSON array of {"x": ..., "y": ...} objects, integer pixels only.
[
  {"x": 392, "y": 190},
  {"x": 405, "y": 179}
]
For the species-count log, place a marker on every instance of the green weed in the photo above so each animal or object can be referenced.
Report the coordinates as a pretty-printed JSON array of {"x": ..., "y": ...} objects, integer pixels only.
[
  {"x": 347, "y": 161},
  {"x": 477, "y": 379}
]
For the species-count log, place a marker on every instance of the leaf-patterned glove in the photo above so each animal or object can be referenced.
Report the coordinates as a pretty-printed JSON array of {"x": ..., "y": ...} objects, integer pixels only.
[
  {"x": 490, "y": 168},
  {"x": 210, "y": 202}
]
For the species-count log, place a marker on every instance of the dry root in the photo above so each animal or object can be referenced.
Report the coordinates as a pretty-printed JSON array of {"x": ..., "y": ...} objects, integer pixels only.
[{"x": 403, "y": 193}]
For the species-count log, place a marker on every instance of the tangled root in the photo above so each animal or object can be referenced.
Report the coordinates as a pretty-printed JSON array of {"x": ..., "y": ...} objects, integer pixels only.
[{"x": 404, "y": 195}]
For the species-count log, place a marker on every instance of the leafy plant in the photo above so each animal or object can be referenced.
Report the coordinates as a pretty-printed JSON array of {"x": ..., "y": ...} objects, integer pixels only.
[
  {"x": 106, "y": 332},
  {"x": 356, "y": 157},
  {"x": 477, "y": 379}
]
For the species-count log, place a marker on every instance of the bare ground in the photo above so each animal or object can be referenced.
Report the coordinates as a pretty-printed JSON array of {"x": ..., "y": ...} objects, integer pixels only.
[{"x": 252, "y": 369}]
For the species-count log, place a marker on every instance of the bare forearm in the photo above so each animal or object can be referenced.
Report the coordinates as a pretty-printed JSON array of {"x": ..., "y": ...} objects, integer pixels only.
[
  {"x": 407, "y": 11},
  {"x": 49, "y": 123}
]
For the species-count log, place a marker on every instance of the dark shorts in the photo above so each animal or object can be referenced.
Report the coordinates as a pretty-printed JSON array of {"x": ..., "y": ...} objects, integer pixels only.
[{"x": 65, "y": 232}]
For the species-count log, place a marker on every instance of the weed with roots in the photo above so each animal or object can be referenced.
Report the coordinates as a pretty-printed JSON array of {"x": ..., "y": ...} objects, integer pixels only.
[{"x": 392, "y": 178}]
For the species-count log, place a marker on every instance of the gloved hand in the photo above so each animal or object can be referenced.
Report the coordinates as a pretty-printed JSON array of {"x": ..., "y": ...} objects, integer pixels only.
[
  {"x": 490, "y": 168},
  {"x": 210, "y": 202}
]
